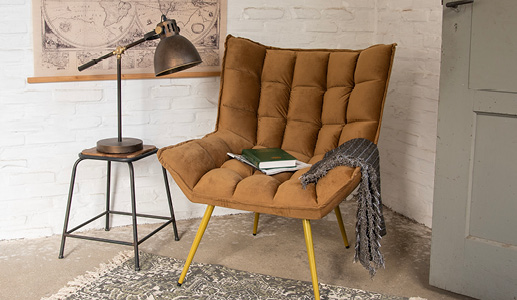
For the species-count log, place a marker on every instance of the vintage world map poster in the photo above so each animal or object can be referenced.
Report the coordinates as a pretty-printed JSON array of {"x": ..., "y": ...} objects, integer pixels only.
[{"x": 69, "y": 33}]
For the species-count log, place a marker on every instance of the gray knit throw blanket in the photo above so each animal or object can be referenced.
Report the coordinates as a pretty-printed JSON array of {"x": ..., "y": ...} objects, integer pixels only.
[{"x": 370, "y": 226}]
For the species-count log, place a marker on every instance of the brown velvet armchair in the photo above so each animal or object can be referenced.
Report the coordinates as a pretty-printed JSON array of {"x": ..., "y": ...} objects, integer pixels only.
[{"x": 305, "y": 101}]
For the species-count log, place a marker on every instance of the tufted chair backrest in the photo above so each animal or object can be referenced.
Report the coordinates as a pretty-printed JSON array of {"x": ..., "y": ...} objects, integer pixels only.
[{"x": 305, "y": 101}]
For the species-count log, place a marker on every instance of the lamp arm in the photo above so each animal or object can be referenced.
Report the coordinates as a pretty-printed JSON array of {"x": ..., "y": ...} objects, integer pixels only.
[
  {"x": 95, "y": 61},
  {"x": 151, "y": 35}
]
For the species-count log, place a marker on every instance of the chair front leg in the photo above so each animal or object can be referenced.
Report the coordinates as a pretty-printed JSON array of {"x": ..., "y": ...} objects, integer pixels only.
[
  {"x": 312, "y": 259},
  {"x": 195, "y": 244}
]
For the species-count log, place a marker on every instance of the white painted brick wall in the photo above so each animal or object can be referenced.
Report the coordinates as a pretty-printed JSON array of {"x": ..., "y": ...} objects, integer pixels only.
[
  {"x": 408, "y": 137},
  {"x": 44, "y": 126}
]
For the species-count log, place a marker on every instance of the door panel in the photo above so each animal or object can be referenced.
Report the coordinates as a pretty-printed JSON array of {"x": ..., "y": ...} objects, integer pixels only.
[
  {"x": 490, "y": 269},
  {"x": 493, "y": 44},
  {"x": 493, "y": 204}
]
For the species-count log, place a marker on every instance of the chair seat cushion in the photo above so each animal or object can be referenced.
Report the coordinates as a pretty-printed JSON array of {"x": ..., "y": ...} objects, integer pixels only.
[
  {"x": 236, "y": 185},
  {"x": 279, "y": 195}
]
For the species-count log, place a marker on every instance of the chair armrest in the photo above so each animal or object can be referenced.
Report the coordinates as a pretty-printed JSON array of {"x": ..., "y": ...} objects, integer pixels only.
[
  {"x": 338, "y": 183},
  {"x": 189, "y": 161}
]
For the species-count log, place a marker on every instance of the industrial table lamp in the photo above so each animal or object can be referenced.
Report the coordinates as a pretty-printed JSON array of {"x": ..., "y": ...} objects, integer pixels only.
[{"x": 174, "y": 53}]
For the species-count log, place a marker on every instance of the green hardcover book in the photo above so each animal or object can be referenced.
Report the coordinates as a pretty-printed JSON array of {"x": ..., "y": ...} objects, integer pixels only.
[{"x": 267, "y": 158}]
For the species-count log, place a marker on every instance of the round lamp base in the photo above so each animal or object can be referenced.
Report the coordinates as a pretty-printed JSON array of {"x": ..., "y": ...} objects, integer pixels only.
[{"x": 113, "y": 146}]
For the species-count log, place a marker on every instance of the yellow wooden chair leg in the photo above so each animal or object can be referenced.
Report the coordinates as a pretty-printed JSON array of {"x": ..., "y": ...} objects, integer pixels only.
[
  {"x": 197, "y": 240},
  {"x": 312, "y": 259},
  {"x": 255, "y": 223},
  {"x": 341, "y": 226}
]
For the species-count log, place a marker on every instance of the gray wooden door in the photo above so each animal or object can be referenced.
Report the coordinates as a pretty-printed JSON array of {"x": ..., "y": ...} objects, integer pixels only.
[{"x": 474, "y": 239}]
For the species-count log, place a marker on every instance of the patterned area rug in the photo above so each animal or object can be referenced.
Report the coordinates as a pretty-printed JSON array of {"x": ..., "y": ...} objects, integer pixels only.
[{"x": 158, "y": 276}]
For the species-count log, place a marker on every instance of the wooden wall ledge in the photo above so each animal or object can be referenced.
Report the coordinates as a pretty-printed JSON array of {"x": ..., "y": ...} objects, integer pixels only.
[{"x": 114, "y": 77}]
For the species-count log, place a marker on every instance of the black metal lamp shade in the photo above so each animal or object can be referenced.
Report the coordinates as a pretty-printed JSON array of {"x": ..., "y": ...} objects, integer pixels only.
[{"x": 174, "y": 53}]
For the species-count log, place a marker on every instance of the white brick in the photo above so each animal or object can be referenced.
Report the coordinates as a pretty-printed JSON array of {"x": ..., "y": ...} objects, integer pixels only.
[
  {"x": 339, "y": 13},
  {"x": 424, "y": 28},
  {"x": 359, "y": 3},
  {"x": 40, "y": 177},
  {"x": 305, "y": 13},
  {"x": 263, "y": 13},
  {"x": 363, "y": 40},
  {"x": 9, "y": 27},
  {"x": 321, "y": 26},
  {"x": 386, "y": 16},
  {"x": 84, "y": 122},
  {"x": 78, "y": 95},
  {"x": 169, "y": 117},
  {"x": 12, "y": 83},
  {"x": 409, "y": 40},
  {"x": 392, "y": 31},
  {"x": 436, "y": 16},
  {"x": 191, "y": 102},
  {"x": 363, "y": 20},
  {"x": 26, "y": 96},
  {"x": 14, "y": 57},
  {"x": 431, "y": 41},
  {"x": 172, "y": 91},
  {"x": 415, "y": 15},
  {"x": 17, "y": 41},
  {"x": 288, "y": 39},
  {"x": 210, "y": 91},
  {"x": 245, "y": 26},
  {"x": 12, "y": 139},
  {"x": 427, "y": 4},
  {"x": 206, "y": 116},
  {"x": 281, "y": 26},
  {"x": 11, "y": 221},
  {"x": 395, "y": 4},
  {"x": 13, "y": 2},
  {"x": 45, "y": 111},
  {"x": 6, "y": 165},
  {"x": 146, "y": 104},
  {"x": 50, "y": 136},
  {"x": 97, "y": 108}
]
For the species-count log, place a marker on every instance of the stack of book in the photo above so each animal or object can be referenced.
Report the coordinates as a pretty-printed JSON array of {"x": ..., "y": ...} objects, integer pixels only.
[{"x": 270, "y": 161}]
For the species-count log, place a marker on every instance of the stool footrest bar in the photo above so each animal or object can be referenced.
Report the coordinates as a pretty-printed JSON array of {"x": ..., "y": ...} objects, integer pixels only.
[
  {"x": 87, "y": 222},
  {"x": 92, "y": 238}
]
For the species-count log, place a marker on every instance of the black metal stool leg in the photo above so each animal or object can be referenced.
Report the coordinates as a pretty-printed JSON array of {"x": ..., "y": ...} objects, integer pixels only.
[
  {"x": 171, "y": 208},
  {"x": 133, "y": 214},
  {"x": 108, "y": 195},
  {"x": 68, "y": 206}
]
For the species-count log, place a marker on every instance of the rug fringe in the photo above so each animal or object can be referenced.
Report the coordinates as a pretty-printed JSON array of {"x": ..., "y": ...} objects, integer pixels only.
[{"x": 90, "y": 276}]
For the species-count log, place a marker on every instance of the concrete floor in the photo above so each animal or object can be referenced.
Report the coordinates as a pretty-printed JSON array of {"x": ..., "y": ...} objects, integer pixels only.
[{"x": 31, "y": 269}]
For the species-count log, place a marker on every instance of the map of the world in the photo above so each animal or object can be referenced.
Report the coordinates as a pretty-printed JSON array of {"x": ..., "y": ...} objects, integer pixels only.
[{"x": 69, "y": 33}]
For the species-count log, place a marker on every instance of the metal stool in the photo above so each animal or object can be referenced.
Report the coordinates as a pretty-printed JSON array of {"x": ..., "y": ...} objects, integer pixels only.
[{"x": 128, "y": 158}]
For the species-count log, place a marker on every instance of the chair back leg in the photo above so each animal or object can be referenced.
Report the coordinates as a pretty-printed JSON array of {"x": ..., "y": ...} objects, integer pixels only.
[
  {"x": 255, "y": 223},
  {"x": 195, "y": 244},
  {"x": 312, "y": 259},
  {"x": 341, "y": 226}
]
